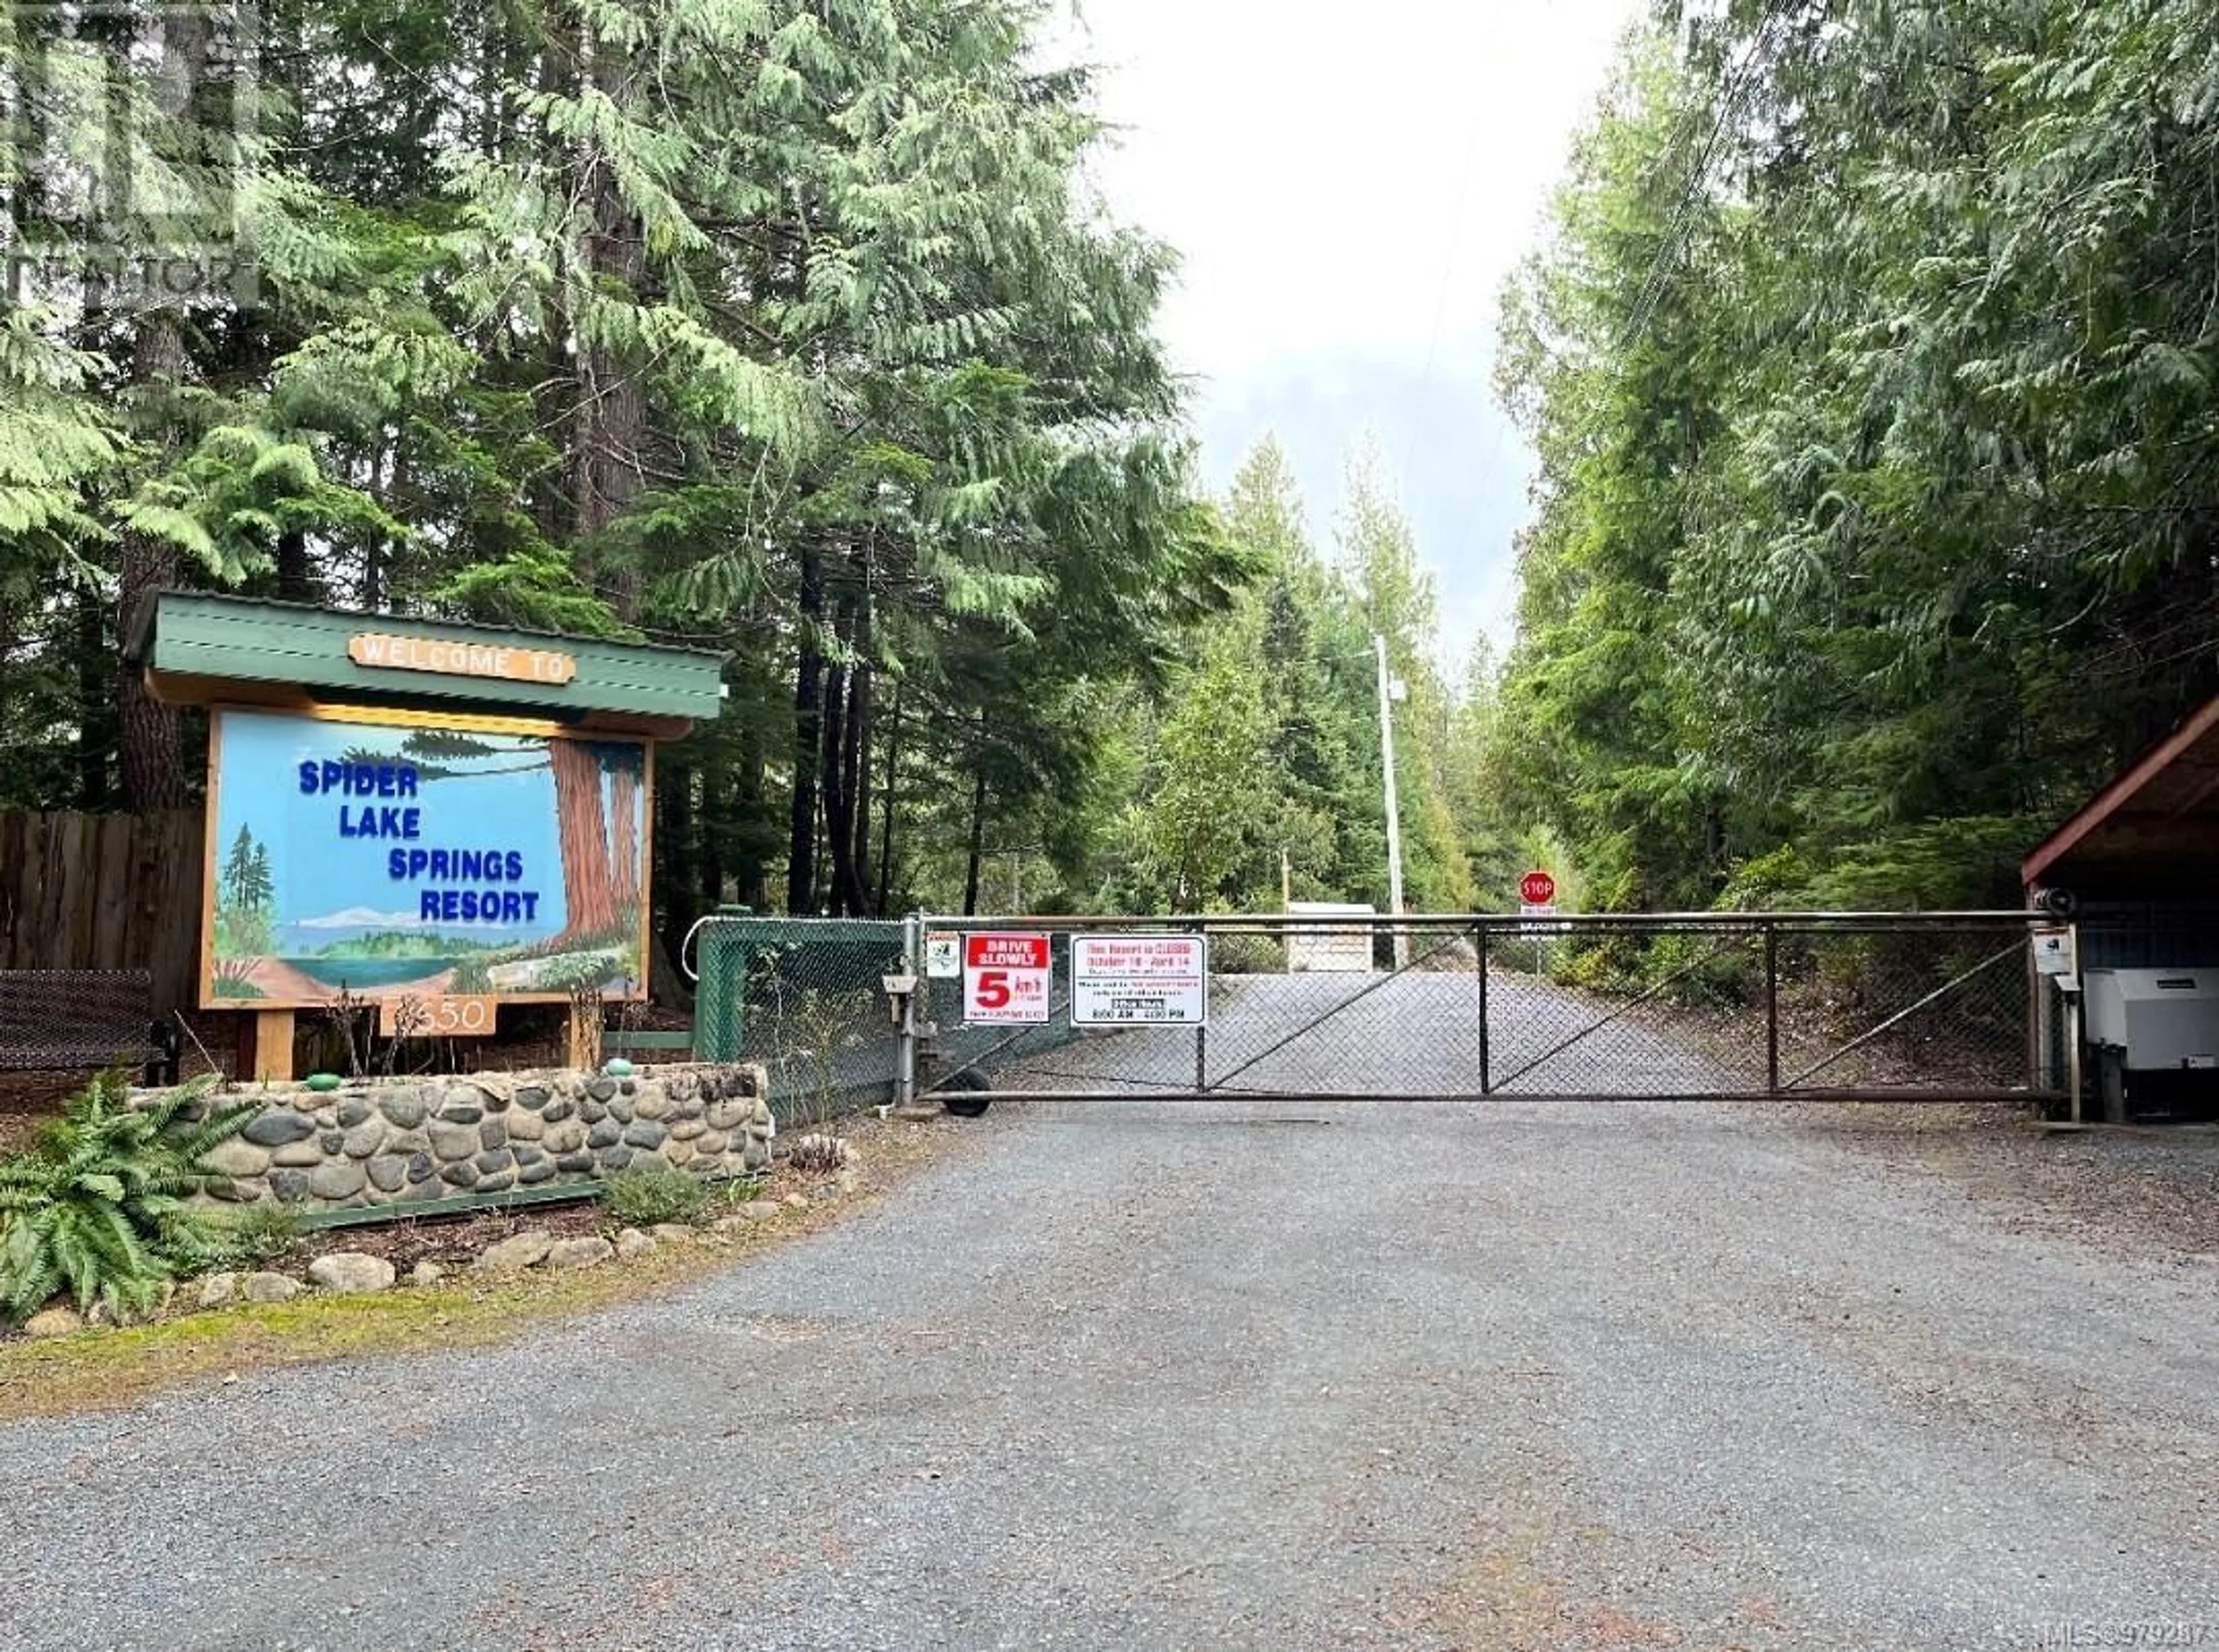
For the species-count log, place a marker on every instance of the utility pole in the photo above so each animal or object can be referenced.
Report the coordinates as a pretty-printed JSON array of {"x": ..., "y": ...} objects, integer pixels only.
[{"x": 1393, "y": 808}]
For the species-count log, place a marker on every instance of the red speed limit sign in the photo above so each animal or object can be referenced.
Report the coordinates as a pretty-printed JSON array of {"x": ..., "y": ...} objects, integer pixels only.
[
  {"x": 1005, "y": 979},
  {"x": 1537, "y": 889}
]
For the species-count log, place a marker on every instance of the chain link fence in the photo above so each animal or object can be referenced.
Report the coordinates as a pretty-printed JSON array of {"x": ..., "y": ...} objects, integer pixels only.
[
  {"x": 805, "y": 997},
  {"x": 1784, "y": 1006},
  {"x": 1781, "y": 1006}
]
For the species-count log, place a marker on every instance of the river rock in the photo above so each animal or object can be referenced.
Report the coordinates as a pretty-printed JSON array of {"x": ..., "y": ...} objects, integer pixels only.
[
  {"x": 363, "y": 1140},
  {"x": 631, "y": 1244},
  {"x": 236, "y": 1157},
  {"x": 61, "y": 1321},
  {"x": 337, "y": 1178},
  {"x": 452, "y": 1141},
  {"x": 584, "y": 1252},
  {"x": 351, "y": 1272},
  {"x": 277, "y": 1128},
  {"x": 217, "y": 1289},
  {"x": 516, "y": 1252},
  {"x": 271, "y": 1288},
  {"x": 404, "y": 1105}
]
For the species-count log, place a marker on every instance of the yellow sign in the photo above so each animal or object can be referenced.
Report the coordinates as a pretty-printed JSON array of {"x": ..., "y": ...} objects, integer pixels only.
[{"x": 387, "y": 652}]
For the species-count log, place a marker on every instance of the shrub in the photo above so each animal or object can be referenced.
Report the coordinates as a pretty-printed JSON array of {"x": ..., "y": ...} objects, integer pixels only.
[
  {"x": 642, "y": 1195},
  {"x": 97, "y": 1206},
  {"x": 254, "y": 1233},
  {"x": 817, "y": 1154}
]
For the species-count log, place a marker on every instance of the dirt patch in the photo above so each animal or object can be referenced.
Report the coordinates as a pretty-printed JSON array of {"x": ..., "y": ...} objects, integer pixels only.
[{"x": 2139, "y": 1186}]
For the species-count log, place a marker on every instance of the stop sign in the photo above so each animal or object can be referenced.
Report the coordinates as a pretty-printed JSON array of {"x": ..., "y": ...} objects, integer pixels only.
[{"x": 1537, "y": 889}]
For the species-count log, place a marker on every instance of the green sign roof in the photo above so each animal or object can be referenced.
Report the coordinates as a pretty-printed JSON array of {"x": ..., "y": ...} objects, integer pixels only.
[{"x": 201, "y": 648}]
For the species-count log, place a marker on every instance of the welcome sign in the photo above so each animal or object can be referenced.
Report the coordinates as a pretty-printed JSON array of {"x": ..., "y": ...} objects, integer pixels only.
[{"x": 387, "y": 856}]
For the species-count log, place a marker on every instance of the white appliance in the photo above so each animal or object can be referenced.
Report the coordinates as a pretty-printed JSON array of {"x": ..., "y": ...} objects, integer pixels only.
[{"x": 2156, "y": 1018}]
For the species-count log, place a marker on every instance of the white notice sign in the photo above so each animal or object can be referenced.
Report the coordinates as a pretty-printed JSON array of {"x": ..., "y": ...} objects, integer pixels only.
[
  {"x": 943, "y": 954},
  {"x": 1139, "y": 981}
]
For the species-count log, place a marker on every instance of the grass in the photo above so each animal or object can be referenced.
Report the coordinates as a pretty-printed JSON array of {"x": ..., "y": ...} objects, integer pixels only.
[{"x": 104, "y": 1370}]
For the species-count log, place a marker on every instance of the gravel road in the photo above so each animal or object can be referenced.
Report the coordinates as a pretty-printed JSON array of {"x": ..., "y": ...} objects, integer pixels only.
[{"x": 1501, "y": 1375}]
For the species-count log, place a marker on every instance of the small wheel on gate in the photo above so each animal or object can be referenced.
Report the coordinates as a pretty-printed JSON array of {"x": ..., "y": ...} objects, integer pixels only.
[{"x": 964, "y": 1094}]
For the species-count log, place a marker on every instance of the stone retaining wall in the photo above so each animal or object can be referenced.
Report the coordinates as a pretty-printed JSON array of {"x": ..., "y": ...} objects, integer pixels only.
[{"x": 384, "y": 1141}]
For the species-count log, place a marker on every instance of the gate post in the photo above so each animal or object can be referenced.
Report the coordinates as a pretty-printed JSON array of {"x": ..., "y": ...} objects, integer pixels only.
[
  {"x": 1202, "y": 1027},
  {"x": 1771, "y": 1008},
  {"x": 1485, "y": 1083},
  {"x": 906, "y": 1030}
]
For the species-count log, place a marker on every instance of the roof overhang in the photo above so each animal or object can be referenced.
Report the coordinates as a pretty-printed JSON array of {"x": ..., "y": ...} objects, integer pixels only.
[
  {"x": 2153, "y": 830},
  {"x": 202, "y": 650}
]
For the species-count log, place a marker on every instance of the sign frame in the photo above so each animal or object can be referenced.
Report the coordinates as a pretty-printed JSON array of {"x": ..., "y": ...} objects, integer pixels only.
[{"x": 1195, "y": 978}]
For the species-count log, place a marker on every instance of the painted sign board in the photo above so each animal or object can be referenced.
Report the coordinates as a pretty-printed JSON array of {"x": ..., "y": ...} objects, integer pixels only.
[
  {"x": 383, "y": 651},
  {"x": 401, "y": 854},
  {"x": 1006, "y": 978},
  {"x": 1140, "y": 980},
  {"x": 943, "y": 954}
]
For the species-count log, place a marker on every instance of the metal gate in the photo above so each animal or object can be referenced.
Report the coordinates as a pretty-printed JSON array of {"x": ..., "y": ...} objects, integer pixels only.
[{"x": 1686, "y": 1007}]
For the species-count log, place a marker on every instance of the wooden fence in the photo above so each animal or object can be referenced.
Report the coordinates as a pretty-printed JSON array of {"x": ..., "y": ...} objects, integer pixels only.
[{"x": 104, "y": 892}]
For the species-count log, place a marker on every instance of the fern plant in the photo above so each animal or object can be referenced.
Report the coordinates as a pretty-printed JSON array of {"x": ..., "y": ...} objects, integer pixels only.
[{"x": 96, "y": 1208}]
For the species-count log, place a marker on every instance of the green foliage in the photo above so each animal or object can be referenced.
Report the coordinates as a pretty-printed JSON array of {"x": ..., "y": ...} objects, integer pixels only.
[
  {"x": 642, "y": 1195},
  {"x": 97, "y": 1207},
  {"x": 1870, "y": 363},
  {"x": 251, "y": 1235}
]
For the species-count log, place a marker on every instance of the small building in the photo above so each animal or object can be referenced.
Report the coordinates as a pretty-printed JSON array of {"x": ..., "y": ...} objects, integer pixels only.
[{"x": 2136, "y": 869}]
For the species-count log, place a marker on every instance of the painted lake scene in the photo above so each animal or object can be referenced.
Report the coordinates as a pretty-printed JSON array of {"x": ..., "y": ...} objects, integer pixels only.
[{"x": 390, "y": 860}]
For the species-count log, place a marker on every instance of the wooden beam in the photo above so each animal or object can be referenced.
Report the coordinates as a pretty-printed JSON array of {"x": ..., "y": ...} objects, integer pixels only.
[
  {"x": 268, "y": 1052},
  {"x": 2121, "y": 792}
]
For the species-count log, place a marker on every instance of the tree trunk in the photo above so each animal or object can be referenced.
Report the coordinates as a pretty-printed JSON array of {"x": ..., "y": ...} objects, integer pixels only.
[
  {"x": 94, "y": 695},
  {"x": 977, "y": 841},
  {"x": 153, "y": 773},
  {"x": 581, "y": 828},
  {"x": 749, "y": 815},
  {"x": 710, "y": 829},
  {"x": 891, "y": 795},
  {"x": 837, "y": 824},
  {"x": 808, "y": 674},
  {"x": 675, "y": 892},
  {"x": 855, "y": 766},
  {"x": 611, "y": 406},
  {"x": 292, "y": 567}
]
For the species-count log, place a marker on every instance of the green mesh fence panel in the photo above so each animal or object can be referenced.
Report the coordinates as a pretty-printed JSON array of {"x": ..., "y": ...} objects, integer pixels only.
[{"x": 805, "y": 997}]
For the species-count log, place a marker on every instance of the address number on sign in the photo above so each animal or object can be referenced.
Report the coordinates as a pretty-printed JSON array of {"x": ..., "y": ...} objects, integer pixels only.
[{"x": 464, "y": 1015}]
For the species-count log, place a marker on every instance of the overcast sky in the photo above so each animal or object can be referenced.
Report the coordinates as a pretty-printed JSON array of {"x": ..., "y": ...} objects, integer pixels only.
[{"x": 1348, "y": 187}]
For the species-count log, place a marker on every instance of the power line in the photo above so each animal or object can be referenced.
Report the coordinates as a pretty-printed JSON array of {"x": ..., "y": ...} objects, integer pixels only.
[{"x": 1652, "y": 285}]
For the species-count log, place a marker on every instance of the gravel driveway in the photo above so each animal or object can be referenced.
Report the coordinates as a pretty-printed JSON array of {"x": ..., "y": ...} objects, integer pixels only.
[{"x": 1186, "y": 1375}]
